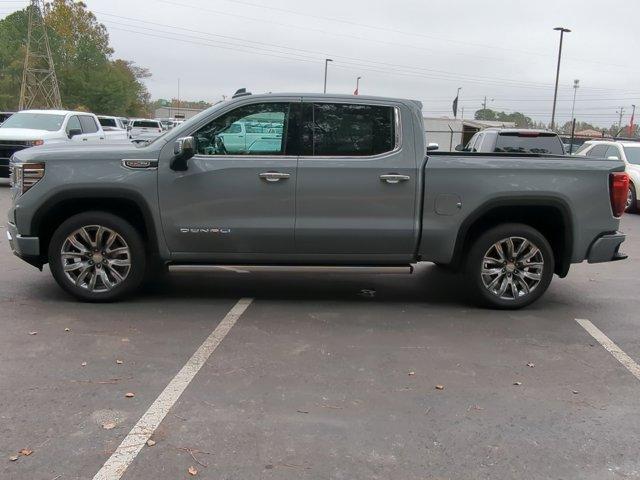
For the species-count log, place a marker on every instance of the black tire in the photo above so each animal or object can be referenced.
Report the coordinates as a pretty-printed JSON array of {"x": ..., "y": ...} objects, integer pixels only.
[
  {"x": 633, "y": 206},
  {"x": 522, "y": 289},
  {"x": 127, "y": 236}
]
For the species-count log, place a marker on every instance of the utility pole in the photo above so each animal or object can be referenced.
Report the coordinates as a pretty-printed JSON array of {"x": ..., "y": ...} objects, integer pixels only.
[
  {"x": 562, "y": 31},
  {"x": 178, "y": 97},
  {"x": 632, "y": 130},
  {"x": 39, "y": 87},
  {"x": 326, "y": 64},
  {"x": 576, "y": 86},
  {"x": 621, "y": 112}
]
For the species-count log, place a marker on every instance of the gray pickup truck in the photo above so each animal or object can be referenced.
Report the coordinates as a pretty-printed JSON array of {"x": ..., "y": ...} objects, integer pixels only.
[{"x": 324, "y": 181}]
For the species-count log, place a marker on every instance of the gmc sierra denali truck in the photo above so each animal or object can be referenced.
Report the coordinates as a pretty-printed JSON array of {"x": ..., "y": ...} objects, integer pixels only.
[{"x": 340, "y": 181}]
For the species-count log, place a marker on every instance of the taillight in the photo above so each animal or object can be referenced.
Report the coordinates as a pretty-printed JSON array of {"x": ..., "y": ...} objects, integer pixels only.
[{"x": 618, "y": 191}]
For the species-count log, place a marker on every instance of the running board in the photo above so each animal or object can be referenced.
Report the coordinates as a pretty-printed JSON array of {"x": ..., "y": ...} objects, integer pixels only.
[{"x": 292, "y": 268}]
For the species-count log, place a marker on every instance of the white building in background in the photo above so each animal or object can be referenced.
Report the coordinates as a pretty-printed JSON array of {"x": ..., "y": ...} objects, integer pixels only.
[
  {"x": 449, "y": 132},
  {"x": 176, "y": 113}
]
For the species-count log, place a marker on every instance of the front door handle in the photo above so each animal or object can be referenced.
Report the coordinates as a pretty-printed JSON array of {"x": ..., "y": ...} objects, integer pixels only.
[
  {"x": 394, "y": 178},
  {"x": 274, "y": 176}
]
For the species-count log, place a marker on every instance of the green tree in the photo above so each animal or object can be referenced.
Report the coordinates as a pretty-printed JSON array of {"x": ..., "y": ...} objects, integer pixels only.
[
  {"x": 88, "y": 76},
  {"x": 521, "y": 120}
]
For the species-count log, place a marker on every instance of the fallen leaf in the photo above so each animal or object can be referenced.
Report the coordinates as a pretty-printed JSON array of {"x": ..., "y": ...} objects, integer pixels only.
[
  {"x": 575, "y": 392},
  {"x": 13, "y": 458},
  {"x": 119, "y": 362},
  {"x": 33, "y": 333},
  {"x": 193, "y": 471},
  {"x": 109, "y": 425},
  {"x": 67, "y": 329},
  {"x": 129, "y": 394},
  {"x": 530, "y": 365},
  {"x": 439, "y": 387},
  {"x": 411, "y": 373},
  {"x": 517, "y": 384},
  {"x": 151, "y": 443},
  {"x": 84, "y": 364},
  {"x": 26, "y": 452}
]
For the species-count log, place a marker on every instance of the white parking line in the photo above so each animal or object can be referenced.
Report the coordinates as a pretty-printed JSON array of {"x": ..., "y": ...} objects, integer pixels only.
[
  {"x": 611, "y": 347},
  {"x": 115, "y": 466}
]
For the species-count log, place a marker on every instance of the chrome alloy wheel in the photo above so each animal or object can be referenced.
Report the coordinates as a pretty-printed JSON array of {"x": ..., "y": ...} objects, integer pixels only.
[
  {"x": 512, "y": 268},
  {"x": 95, "y": 258}
]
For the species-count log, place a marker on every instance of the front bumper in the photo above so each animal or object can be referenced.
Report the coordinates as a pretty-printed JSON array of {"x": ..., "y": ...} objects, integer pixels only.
[
  {"x": 606, "y": 248},
  {"x": 27, "y": 248}
]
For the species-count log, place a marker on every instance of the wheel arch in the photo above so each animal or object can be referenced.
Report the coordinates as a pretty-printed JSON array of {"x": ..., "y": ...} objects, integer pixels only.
[
  {"x": 549, "y": 215},
  {"x": 124, "y": 203}
]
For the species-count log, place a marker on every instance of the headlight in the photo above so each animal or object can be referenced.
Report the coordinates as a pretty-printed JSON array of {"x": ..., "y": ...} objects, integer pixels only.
[
  {"x": 34, "y": 143},
  {"x": 26, "y": 175}
]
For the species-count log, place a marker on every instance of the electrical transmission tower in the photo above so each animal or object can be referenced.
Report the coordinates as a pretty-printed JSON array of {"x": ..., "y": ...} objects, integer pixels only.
[{"x": 39, "y": 83}]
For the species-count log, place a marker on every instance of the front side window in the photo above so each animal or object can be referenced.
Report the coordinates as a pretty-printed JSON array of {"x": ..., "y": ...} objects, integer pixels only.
[
  {"x": 73, "y": 124},
  {"x": 257, "y": 129},
  {"x": 336, "y": 130}
]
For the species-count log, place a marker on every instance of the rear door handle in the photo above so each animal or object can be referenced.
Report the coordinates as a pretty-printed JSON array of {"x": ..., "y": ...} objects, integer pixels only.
[
  {"x": 394, "y": 178},
  {"x": 274, "y": 176}
]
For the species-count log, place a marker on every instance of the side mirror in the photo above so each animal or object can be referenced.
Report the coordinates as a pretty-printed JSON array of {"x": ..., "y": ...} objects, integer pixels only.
[
  {"x": 74, "y": 132},
  {"x": 183, "y": 149},
  {"x": 432, "y": 146},
  {"x": 459, "y": 148}
]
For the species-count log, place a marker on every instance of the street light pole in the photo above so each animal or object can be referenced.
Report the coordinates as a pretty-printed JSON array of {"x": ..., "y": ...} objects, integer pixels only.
[
  {"x": 633, "y": 115},
  {"x": 562, "y": 31},
  {"x": 357, "y": 91},
  {"x": 576, "y": 86},
  {"x": 326, "y": 63}
]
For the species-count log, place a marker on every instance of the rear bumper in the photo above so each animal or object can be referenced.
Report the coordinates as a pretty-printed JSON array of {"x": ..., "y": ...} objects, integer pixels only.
[
  {"x": 27, "y": 248},
  {"x": 606, "y": 248}
]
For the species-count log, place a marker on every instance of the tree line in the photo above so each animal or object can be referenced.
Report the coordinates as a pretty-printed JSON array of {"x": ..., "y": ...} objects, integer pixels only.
[{"x": 89, "y": 77}]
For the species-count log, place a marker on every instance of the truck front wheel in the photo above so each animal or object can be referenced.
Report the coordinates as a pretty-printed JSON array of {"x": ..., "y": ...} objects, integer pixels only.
[
  {"x": 97, "y": 256},
  {"x": 510, "y": 266}
]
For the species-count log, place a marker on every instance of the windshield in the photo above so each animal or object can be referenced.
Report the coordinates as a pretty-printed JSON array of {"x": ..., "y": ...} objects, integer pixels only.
[
  {"x": 633, "y": 154},
  {"x": 547, "y": 144},
  {"x": 35, "y": 121},
  {"x": 186, "y": 125}
]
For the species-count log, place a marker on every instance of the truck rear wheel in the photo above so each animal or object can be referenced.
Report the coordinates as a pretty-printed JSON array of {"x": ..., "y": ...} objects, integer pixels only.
[
  {"x": 510, "y": 266},
  {"x": 97, "y": 257}
]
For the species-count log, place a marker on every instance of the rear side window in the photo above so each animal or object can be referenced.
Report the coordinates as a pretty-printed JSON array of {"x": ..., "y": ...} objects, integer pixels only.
[
  {"x": 598, "y": 151},
  {"x": 529, "y": 143},
  {"x": 107, "y": 122},
  {"x": 88, "y": 124},
  {"x": 341, "y": 130},
  {"x": 613, "y": 151}
]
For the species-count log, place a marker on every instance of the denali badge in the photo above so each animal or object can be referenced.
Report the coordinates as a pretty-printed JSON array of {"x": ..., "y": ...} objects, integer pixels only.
[{"x": 204, "y": 230}]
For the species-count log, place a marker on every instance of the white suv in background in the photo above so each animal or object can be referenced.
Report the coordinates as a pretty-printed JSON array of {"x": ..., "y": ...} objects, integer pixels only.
[{"x": 628, "y": 152}]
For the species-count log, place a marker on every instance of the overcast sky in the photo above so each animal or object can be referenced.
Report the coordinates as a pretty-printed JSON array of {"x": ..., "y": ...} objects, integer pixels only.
[{"x": 422, "y": 49}]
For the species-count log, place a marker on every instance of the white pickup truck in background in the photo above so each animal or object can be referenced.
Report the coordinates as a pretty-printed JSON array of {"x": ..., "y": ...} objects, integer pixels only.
[
  {"x": 30, "y": 128},
  {"x": 114, "y": 129}
]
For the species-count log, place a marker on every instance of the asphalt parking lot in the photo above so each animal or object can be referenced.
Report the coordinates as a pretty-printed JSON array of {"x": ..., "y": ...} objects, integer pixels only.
[{"x": 318, "y": 379}]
